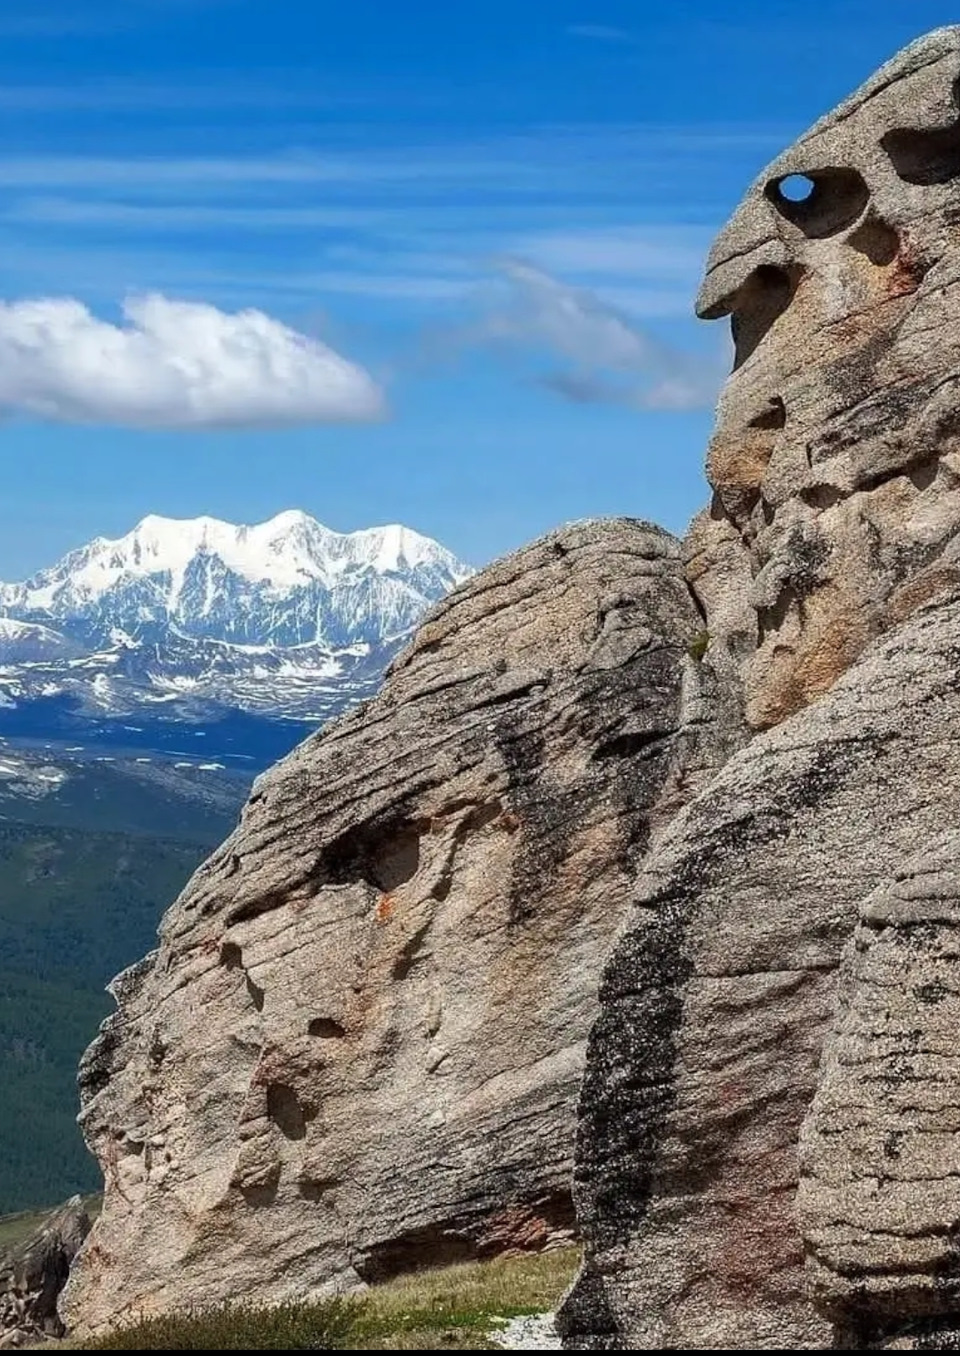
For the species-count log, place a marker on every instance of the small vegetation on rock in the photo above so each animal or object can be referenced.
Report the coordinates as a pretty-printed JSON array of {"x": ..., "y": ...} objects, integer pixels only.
[
  {"x": 321, "y": 1326},
  {"x": 445, "y": 1309},
  {"x": 699, "y": 645}
]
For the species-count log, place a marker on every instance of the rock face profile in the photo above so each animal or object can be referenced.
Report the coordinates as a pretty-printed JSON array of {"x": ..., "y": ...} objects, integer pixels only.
[
  {"x": 359, "y": 1045},
  {"x": 768, "y": 1144},
  {"x": 836, "y": 457},
  {"x": 721, "y": 778},
  {"x": 33, "y": 1273}
]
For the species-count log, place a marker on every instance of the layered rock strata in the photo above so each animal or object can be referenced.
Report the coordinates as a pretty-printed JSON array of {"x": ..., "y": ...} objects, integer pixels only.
[
  {"x": 835, "y": 462},
  {"x": 721, "y": 993},
  {"x": 358, "y": 1046},
  {"x": 879, "y": 1198},
  {"x": 827, "y": 570}
]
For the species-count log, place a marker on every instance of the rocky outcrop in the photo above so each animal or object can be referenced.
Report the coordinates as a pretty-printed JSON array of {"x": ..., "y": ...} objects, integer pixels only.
[
  {"x": 827, "y": 567},
  {"x": 359, "y": 1044},
  {"x": 721, "y": 993},
  {"x": 33, "y": 1273},
  {"x": 879, "y": 1197},
  {"x": 836, "y": 457}
]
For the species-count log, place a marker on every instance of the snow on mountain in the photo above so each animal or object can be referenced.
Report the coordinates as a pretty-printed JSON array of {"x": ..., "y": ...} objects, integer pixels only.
[
  {"x": 285, "y": 617},
  {"x": 288, "y": 581},
  {"x": 26, "y": 642}
]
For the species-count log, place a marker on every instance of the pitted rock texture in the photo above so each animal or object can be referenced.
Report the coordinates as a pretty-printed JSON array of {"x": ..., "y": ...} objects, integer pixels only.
[
  {"x": 835, "y": 459},
  {"x": 33, "y": 1273},
  {"x": 359, "y": 1045},
  {"x": 721, "y": 992},
  {"x": 879, "y": 1198}
]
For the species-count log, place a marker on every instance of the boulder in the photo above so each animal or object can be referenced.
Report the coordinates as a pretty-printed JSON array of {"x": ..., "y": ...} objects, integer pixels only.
[
  {"x": 33, "y": 1273},
  {"x": 718, "y": 1000},
  {"x": 827, "y": 570},
  {"x": 879, "y": 1196},
  {"x": 358, "y": 1046}
]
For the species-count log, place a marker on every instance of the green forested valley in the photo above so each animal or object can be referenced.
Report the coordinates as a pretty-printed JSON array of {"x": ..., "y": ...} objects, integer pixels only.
[{"x": 75, "y": 907}]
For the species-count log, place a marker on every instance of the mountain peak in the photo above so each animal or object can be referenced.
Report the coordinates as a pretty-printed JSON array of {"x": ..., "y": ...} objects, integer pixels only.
[{"x": 286, "y": 581}]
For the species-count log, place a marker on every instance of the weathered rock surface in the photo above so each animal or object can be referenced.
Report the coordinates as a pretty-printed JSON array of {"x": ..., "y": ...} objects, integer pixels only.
[
  {"x": 359, "y": 1044},
  {"x": 879, "y": 1198},
  {"x": 721, "y": 992},
  {"x": 827, "y": 567},
  {"x": 836, "y": 456},
  {"x": 33, "y": 1273}
]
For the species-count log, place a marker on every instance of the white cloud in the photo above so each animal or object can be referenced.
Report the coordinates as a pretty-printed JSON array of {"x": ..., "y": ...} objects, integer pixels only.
[
  {"x": 674, "y": 252},
  {"x": 173, "y": 364},
  {"x": 607, "y": 357}
]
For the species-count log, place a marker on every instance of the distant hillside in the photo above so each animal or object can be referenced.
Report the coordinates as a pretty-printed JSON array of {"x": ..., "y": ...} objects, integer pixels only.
[
  {"x": 190, "y": 620},
  {"x": 76, "y": 906}
]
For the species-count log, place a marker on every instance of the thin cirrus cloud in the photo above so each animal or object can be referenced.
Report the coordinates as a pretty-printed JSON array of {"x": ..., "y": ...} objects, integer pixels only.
[
  {"x": 606, "y": 357},
  {"x": 173, "y": 364}
]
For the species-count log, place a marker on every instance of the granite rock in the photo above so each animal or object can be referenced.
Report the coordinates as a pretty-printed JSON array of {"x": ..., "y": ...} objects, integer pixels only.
[
  {"x": 721, "y": 993},
  {"x": 835, "y": 460},
  {"x": 33, "y": 1273},
  {"x": 359, "y": 1044}
]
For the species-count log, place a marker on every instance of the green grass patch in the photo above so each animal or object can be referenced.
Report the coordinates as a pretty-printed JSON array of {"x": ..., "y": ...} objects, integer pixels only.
[
  {"x": 467, "y": 1295},
  {"x": 444, "y": 1309},
  {"x": 15, "y": 1229},
  {"x": 323, "y": 1326}
]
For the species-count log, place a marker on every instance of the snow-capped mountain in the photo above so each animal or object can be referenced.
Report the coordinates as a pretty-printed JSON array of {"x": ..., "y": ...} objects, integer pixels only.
[
  {"x": 285, "y": 618},
  {"x": 288, "y": 581}
]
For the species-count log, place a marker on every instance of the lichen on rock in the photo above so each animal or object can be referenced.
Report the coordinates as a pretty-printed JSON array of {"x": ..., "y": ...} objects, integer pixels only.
[
  {"x": 358, "y": 1046},
  {"x": 827, "y": 570},
  {"x": 835, "y": 461}
]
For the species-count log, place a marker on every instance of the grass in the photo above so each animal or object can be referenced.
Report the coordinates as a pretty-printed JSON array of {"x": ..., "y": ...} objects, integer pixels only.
[
  {"x": 438, "y": 1309},
  {"x": 447, "y": 1309},
  {"x": 15, "y": 1228}
]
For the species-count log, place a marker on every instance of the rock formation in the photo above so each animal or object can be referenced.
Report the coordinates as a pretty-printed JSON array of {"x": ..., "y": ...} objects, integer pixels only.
[
  {"x": 827, "y": 567},
  {"x": 836, "y": 456},
  {"x": 359, "y": 1045},
  {"x": 33, "y": 1273},
  {"x": 720, "y": 995},
  {"x": 879, "y": 1198}
]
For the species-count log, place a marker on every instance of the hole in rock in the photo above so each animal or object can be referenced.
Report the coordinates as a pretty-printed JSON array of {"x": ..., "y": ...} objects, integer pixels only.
[
  {"x": 315, "y": 1191},
  {"x": 326, "y": 1028},
  {"x": 774, "y": 416},
  {"x": 821, "y": 496},
  {"x": 834, "y": 200},
  {"x": 385, "y": 856},
  {"x": 796, "y": 187},
  {"x": 758, "y": 305},
  {"x": 231, "y": 956},
  {"x": 629, "y": 744},
  {"x": 924, "y": 473},
  {"x": 925, "y": 156},
  {"x": 518, "y": 1228},
  {"x": 878, "y": 241},
  {"x": 258, "y": 1195},
  {"x": 284, "y": 1109}
]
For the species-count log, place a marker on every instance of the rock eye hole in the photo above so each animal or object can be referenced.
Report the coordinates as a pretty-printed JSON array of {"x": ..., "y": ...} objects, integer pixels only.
[
  {"x": 822, "y": 202},
  {"x": 796, "y": 187}
]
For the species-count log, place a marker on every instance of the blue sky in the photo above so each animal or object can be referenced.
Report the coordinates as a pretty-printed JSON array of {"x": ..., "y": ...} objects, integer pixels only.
[{"x": 488, "y": 221}]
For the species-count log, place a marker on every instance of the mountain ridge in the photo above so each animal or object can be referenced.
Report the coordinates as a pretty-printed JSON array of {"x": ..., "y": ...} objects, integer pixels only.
[{"x": 286, "y": 617}]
